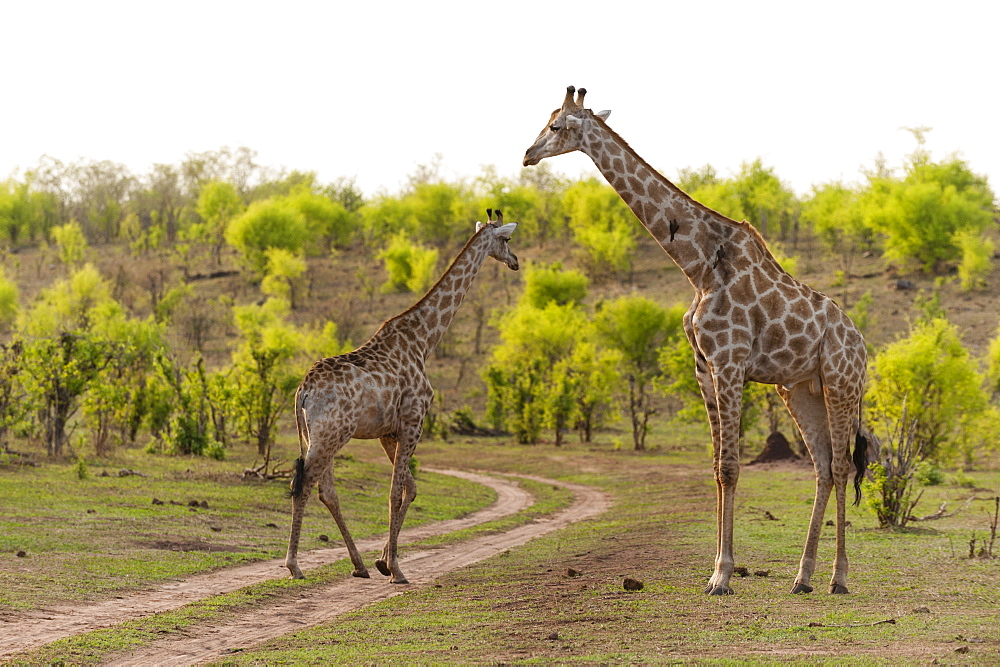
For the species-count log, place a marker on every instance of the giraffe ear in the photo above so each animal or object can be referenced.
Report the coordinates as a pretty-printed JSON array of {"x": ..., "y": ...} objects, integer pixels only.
[
  {"x": 573, "y": 121},
  {"x": 603, "y": 115},
  {"x": 479, "y": 226},
  {"x": 506, "y": 230}
]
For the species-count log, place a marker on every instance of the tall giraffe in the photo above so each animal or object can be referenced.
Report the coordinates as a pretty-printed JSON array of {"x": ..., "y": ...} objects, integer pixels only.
[
  {"x": 381, "y": 390},
  {"x": 749, "y": 321}
]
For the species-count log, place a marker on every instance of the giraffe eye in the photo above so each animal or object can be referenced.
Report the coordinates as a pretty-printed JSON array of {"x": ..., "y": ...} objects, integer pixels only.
[{"x": 554, "y": 128}]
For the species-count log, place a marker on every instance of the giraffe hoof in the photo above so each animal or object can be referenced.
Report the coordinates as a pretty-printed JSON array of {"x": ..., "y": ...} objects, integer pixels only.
[
  {"x": 802, "y": 588},
  {"x": 383, "y": 568},
  {"x": 360, "y": 574},
  {"x": 401, "y": 580},
  {"x": 721, "y": 590},
  {"x": 837, "y": 589}
]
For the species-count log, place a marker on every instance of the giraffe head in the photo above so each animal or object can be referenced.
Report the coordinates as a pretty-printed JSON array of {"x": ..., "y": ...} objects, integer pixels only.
[
  {"x": 497, "y": 236},
  {"x": 565, "y": 130}
]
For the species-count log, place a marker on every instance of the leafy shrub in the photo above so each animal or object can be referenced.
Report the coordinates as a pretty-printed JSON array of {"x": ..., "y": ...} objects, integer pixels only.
[
  {"x": 931, "y": 372},
  {"x": 273, "y": 223},
  {"x": 891, "y": 492},
  {"x": 975, "y": 265},
  {"x": 410, "y": 266},
  {"x": 544, "y": 284}
]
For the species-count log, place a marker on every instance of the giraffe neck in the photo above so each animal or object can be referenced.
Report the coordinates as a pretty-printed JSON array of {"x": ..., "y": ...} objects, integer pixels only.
[
  {"x": 690, "y": 233},
  {"x": 427, "y": 320}
]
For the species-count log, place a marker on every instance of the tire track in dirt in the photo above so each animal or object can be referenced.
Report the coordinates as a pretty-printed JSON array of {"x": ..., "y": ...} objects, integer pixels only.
[
  {"x": 217, "y": 641},
  {"x": 29, "y": 630}
]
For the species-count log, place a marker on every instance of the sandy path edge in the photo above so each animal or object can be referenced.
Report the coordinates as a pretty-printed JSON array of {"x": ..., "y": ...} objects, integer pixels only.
[
  {"x": 29, "y": 630},
  {"x": 215, "y": 642}
]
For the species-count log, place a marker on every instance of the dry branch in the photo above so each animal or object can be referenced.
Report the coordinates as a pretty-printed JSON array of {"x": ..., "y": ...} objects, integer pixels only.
[
  {"x": 814, "y": 624},
  {"x": 941, "y": 514}
]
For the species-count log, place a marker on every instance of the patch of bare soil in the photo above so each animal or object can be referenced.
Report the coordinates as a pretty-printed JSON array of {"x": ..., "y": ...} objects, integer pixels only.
[{"x": 311, "y": 607}]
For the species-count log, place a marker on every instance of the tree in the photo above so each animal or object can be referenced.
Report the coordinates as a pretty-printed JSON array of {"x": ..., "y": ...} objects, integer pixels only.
[
  {"x": 637, "y": 328},
  {"x": 932, "y": 374},
  {"x": 764, "y": 199},
  {"x": 595, "y": 371},
  {"x": 602, "y": 224},
  {"x": 976, "y": 254},
  {"x": 410, "y": 266},
  {"x": 438, "y": 211},
  {"x": 329, "y": 224},
  {"x": 836, "y": 214},
  {"x": 534, "y": 207},
  {"x": 8, "y": 301},
  {"x": 678, "y": 381},
  {"x": 159, "y": 202},
  {"x": 993, "y": 365},
  {"x": 189, "y": 412},
  {"x": 117, "y": 401},
  {"x": 237, "y": 166},
  {"x": 25, "y": 213},
  {"x": 71, "y": 242},
  {"x": 548, "y": 213},
  {"x": 218, "y": 203},
  {"x": 263, "y": 373},
  {"x": 525, "y": 379},
  {"x": 12, "y": 398},
  {"x": 274, "y": 223},
  {"x": 545, "y": 284},
  {"x": 282, "y": 274},
  {"x": 63, "y": 350},
  {"x": 925, "y": 214},
  {"x": 755, "y": 194}
]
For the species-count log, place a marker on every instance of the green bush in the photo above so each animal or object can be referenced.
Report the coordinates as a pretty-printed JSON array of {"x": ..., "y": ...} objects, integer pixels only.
[
  {"x": 931, "y": 373},
  {"x": 411, "y": 267}
]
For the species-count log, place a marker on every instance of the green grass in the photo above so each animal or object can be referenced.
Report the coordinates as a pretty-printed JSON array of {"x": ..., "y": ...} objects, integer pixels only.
[
  {"x": 85, "y": 539},
  {"x": 661, "y": 531},
  {"x": 521, "y": 606},
  {"x": 93, "y": 647}
]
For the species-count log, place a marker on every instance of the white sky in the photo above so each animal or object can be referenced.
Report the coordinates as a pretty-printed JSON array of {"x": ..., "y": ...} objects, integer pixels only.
[{"x": 371, "y": 90}]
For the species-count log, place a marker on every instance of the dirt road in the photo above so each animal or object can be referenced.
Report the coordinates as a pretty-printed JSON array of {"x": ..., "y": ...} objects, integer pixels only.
[{"x": 209, "y": 642}]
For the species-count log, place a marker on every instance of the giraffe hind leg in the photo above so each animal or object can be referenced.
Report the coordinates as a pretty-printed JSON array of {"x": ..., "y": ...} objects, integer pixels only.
[
  {"x": 328, "y": 494},
  {"x": 300, "y": 489},
  {"x": 809, "y": 412}
]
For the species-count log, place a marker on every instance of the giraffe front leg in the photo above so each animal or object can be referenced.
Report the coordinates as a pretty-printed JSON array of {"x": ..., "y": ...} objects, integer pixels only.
[
  {"x": 404, "y": 490},
  {"x": 726, "y": 479},
  {"x": 727, "y": 473}
]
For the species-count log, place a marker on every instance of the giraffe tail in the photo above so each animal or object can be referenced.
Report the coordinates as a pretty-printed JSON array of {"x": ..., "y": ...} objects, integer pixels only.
[
  {"x": 860, "y": 463},
  {"x": 299, "y": 476}
]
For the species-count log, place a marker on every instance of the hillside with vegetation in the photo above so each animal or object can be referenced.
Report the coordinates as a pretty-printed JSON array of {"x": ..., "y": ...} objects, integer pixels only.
[{"x": 177, "y": 310}]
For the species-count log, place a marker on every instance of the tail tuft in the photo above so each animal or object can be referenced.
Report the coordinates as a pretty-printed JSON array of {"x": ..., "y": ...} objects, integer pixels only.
[
  {"x": 298, "y": 478},
  {"x": 860, "y": 463}
]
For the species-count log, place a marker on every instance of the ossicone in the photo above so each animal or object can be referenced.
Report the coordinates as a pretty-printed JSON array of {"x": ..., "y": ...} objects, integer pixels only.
[{"x": 568, "y": 101}]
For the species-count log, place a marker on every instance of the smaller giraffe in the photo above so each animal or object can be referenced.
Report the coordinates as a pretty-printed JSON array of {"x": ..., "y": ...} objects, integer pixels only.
[{"x": 381, "y": 390}]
